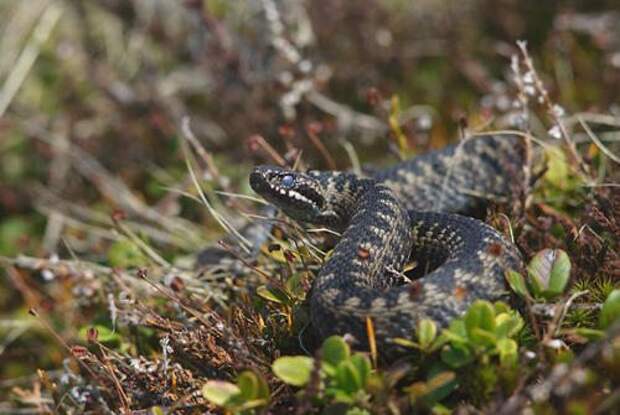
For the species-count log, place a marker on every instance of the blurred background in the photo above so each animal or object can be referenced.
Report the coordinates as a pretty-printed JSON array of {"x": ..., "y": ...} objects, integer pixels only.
[{"x": 99, "y": 99}]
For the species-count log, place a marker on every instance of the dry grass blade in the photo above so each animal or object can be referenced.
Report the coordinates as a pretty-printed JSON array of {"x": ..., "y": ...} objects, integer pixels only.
[
  {"x": 220, "y": 219},
  {"x": 598, "y": 142},
  {"x": 24, "y": 63}
]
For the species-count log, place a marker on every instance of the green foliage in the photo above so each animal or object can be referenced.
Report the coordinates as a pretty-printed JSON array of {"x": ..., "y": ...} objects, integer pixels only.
[
  {"x": 126, "y": 254},
  {"x": 484, "y": 339},
  {"x": 562, "y": 184},
  {"x": 291, "y": 293},
  {"x": 548, "y": 273},
  {"x": 104, "y": 334},
  {"x": 12, "y": 231},
  {"x": 294, "y": 370},
  {"x": 610, "y": 312},
  {"x": 486, "y": 330},
  {"x": 438, "y": 385},
  {"x": 426, "y": 336},
  {"x": 249, "y": 392},
  {"x": 517, "y": 283},
  {"x": 344, "y": 375},
  {"x": 479, "y": 350}
]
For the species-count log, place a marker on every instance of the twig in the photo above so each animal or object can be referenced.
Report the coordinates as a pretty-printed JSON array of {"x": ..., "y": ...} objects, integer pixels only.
[
  {"x": 312, "y": 130},
  {"x": 542, "y": 91},
  {"x": 188, "y": 134},
  {"x": 556, "y": 323},
  {"x": 256, "y": 142},
  {"x": 347, "y": 118}
]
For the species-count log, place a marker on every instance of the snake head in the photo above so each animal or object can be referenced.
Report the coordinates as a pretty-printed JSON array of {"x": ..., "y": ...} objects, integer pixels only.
[{"x": 299, "y": 195}]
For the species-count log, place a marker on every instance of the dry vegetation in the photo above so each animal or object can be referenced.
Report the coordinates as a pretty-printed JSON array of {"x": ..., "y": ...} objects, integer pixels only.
[{"x": 127, "y": 131}]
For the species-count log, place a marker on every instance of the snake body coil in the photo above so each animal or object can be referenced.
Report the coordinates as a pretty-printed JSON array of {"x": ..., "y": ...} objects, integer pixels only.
[{"x": 393, "y": 216}]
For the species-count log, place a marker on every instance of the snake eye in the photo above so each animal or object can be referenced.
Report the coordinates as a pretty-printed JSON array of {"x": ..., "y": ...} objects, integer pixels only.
[{"x": 288, "y": 181}]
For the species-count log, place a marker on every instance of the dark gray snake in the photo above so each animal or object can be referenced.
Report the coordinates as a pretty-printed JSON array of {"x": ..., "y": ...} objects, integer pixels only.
[{"x": 405, "y": 211}]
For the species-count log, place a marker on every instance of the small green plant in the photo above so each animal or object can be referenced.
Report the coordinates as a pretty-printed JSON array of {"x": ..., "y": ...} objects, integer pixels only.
[
  {"x": 609, "y": 314},
  {"x": 245, "y": 396},
  {"x": 485, "y": 331},
  {"x": 290, "y": 292},
  {"x": 344, "y": 376},
  {"x": 426, "y": 336},
  {"x": 548, "y": 273},
  {"x": 478, "y": 351}
]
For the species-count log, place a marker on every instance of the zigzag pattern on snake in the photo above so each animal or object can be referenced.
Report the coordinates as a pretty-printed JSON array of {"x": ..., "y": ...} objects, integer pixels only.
[{"x": 407, "y": 211}]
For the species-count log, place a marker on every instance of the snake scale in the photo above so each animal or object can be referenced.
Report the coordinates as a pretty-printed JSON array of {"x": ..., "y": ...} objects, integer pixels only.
[{"x": 410, "y": 211}]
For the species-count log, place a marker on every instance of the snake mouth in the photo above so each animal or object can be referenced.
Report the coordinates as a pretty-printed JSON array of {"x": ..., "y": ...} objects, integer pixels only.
[{"x": 294, "y": 192}]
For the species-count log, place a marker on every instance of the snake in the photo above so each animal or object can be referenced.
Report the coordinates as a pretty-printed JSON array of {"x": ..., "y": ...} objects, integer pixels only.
[{"x": 419, "y": 210}]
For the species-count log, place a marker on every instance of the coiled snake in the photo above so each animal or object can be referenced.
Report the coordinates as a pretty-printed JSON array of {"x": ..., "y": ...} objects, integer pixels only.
[{"x": 405, "y": 211}]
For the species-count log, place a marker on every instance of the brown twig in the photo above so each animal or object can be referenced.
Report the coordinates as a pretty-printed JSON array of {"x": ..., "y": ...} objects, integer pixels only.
[
  {"x": 546, "y": 100},
  {"x": 257, "y": 142},
  {"x": 313, "y": 129}
]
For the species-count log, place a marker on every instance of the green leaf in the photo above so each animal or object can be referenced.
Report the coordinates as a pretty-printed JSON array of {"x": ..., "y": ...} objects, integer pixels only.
[
  {"x": 549, "y": 272},
  {"x": 427, "y": 331},
  {"x": 456, "y": 332},
  {"x": 587, "y": 333},
  {"x": 508, "y": 352},
  {"x": 362, "y": 366},
  {"x": 508, "y": 324},
  {"x": 239, "y": 408},
  {"x": 610, "y": 311},
  {"x": 339, "y": 397},
  {"x": 456, "y": 355},
  {"x": 295, "y": 287},
  {"x": 273, "y": 294},
  {"x": 480, "y": 317},
  {"x": 480, "y": 337},
  {"x": 440, "y": 385},
  {"x": 439, "y": 409},
  {"x": 220, "y": 392},
  {"x": 252, "y": 386},
  {"x": 294, "y": 370},
  {"x": 405, "y": 343},
  {"x": 335, "y": 350},
  {"x": 501, "y": 307},
  {"x": 279, "y": 254},
  {"x": 517, "y": 283},
  {"x": 437, "y": 387},
  {"x": 347, "y": 377}
]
